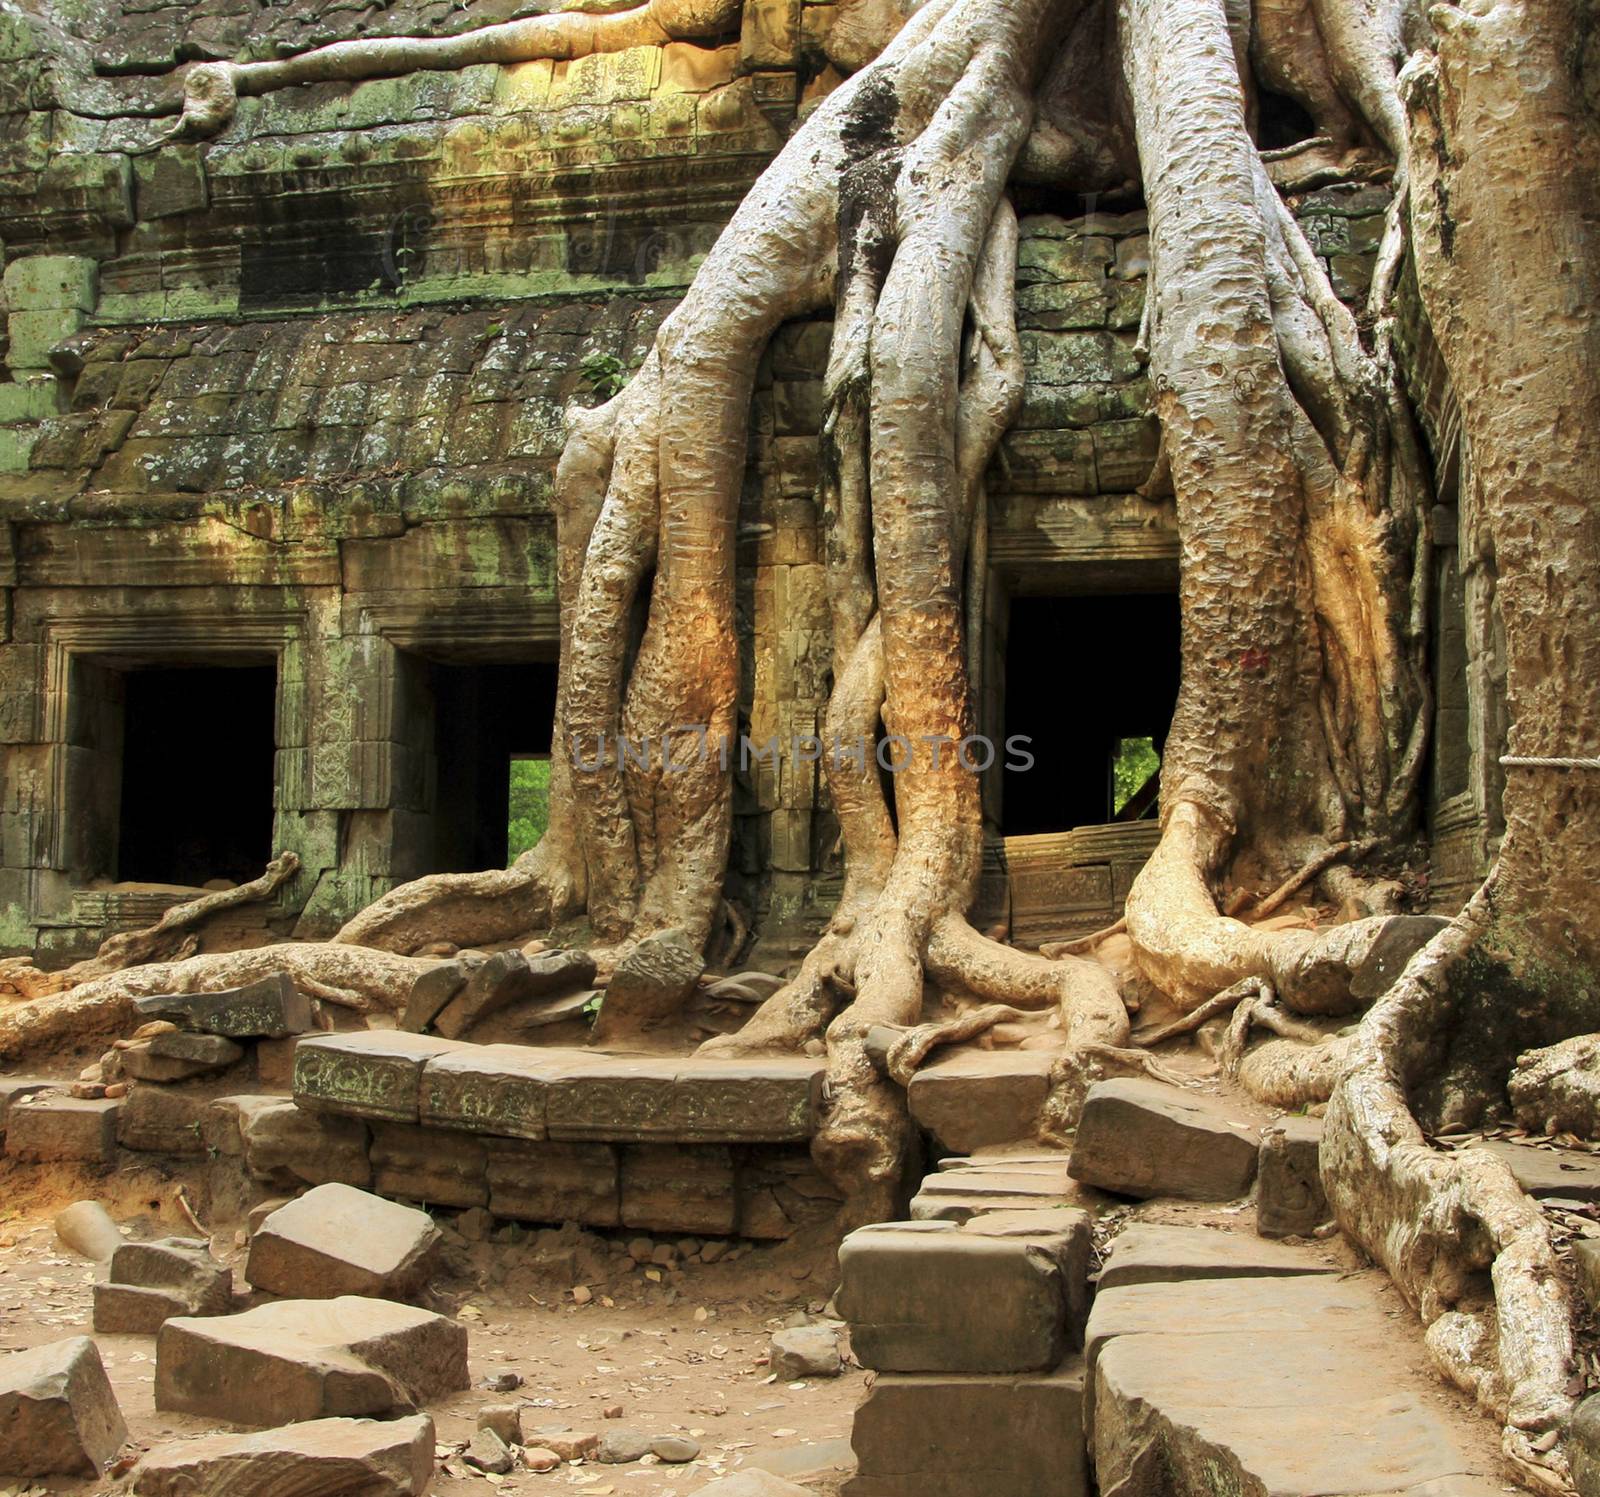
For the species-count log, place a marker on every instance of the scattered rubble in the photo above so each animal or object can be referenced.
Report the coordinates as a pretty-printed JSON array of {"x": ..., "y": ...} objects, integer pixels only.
[
  {"x": 806, "y": 1351},
  {"x": 150, "y": 1282}
]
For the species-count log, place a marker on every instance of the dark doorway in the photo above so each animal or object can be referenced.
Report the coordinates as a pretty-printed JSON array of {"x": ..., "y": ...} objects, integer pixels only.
[
  {"x": 1088, "y": 680},
  {"x": 197, "y": 769},
  {"x": 485, "y": 717}
]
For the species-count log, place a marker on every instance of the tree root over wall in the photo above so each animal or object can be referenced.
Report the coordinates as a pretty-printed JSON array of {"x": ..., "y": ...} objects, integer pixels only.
[{"x": 1303, "y": 508}]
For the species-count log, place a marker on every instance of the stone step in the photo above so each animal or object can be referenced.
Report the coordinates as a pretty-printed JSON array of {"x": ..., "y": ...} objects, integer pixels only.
[
  {"x": 920, "y": 1435},
  {"x": 1147, "y": 1253},
  {"x": 531, "y": 1092},
  {"x": 1003, "y": 1184},
  {"x": 936, "y": 1297},
  {"x": 974, "y": 1099},
  {"x": 1143, "y": 1138}
]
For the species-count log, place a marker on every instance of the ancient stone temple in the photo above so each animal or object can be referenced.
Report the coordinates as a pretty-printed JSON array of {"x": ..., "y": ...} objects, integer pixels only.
[{"x": 792, "y": 747}]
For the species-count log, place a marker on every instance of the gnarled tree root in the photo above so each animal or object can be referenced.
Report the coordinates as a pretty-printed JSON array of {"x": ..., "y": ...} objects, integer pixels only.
[{"x": 1461, "y": 1241}]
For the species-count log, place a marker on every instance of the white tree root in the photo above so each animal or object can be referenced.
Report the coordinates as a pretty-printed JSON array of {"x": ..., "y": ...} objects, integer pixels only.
[{"x": 1461, "y": 1241}]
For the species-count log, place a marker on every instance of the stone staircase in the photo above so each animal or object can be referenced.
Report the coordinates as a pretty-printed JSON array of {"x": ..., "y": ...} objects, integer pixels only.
[{"x": 1199, "y": 1362}]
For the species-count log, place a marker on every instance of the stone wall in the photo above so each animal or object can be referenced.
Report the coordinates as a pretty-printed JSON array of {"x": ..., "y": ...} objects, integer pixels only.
[{"x": 296, "y": 396}]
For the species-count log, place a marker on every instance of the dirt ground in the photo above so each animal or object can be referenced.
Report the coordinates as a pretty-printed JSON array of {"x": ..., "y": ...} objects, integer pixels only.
[{"x": 685, "y": 1355}]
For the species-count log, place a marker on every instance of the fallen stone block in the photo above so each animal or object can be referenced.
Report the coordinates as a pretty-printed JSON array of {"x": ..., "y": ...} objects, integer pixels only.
[
  {"x": 430, "y": 1164},
  {"x": 1280, "y": 1411},
  {"x": 972, "y": 1099},
  {"x": 1290, "y": 1201},
  {"x": 650, "y": 985},
  {"x": 489, "y": 1453},
  {"x": 435, "y": 988},
  {"x": 679, "y": 1190},
  {"x": 374, "y": 1073},
  {"x": 58, "y": 1415},
  {"x": 86, "y": 1227},
  {"x": 1143, "y": 1138},
  {"x": 804, "y": 1351},
  {"x": 672, "y": 1100},
  {"x": 321, "y": 1458},
  {"x": 1148, "y": 1253},
  {"x": 272, "y": 1008},
  {"x": 309, "y": 1359},
  {"x": 554, "y": 1182},
  {"x": 53, "y": 1127},
  {"x": 286, "y": 1146},
  {"x": 934, "y": 1297},
  {"x": 148, "y": 1283},
  {"x": 157, "y": 1120},
  {"x": 510, "y": 977},
  {"x": 337, "y": 1241},
  {"x": 960, "y": 1436},
  {"x": 179, "y": 1056}
]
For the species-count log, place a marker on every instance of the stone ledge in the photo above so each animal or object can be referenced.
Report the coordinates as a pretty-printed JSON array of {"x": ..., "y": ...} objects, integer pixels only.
[{"x": 528, "y": 1092}]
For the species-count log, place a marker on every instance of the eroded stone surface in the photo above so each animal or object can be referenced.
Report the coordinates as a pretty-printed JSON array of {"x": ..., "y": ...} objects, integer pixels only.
[
  {"x": 320, "y": 1458},
  {"x": 1290, "y": 1200},
  {"x": 1143, "y": 1138},
  {"x": 287, "y": 1146},
  {"x": 512, "y": 977},
  {"x": 272, "y": 1008},
  {"x": 178, "y": 1056},
  {"x": 973, "y": 1099},
  {"x": 1001, "y": 1436},
  {"x": 374, "y": 1074},
  {"x": 161, "y": 1120},
  {"x": 147, "y": 1283},
  {"x": 58, "y": 1414},
  {"x": 309, "y": 1359},
  {"x": 337, "y": 1241},
  {"x": 651, "y": 984},
  {"x": 935, "y": 1297},
  {"x": 55, "y": 1127},
  {"x": 1150, "y": 1253}
]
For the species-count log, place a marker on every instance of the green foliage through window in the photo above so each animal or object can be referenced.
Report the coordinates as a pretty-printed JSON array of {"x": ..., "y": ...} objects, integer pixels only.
[
  {"x": 530, "y": 805},
  {"x": 1136, "y": 761}
]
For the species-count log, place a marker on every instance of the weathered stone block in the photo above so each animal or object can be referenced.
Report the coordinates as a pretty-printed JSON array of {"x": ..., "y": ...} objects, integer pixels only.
[
  {"x": 17, "y": 1089},
  {"x": 29, "y": 399},
  {"x": 781, "y": 1190},
  {"x": 651, "y": 984},
  {"x": 58, "y": 1414},
  {"x": 433, "y": 990},
  {"x": 760, "y": 1100},
  {"x": 284, "y": 1145},
  {"x": 179, "y": 1056},
  {"x": 1548, "y": 1172},
  {"x": 131, "y": 1310},
  {"x": 934, "y": 1297},
  {"x": 1290, "y": 1201},
  {"x": 510, "y": 977},
  {"x": 32, "y": 335},
  {"x": 272, "y": 1008},
  {"x": 309, "y": 1359},
  {"x": 374, "y": 1074},
  {"x": 1143, "y": 1138},
  {"x": 554, "y": 1182},
  {"x": 391, "y": 1458},
  {"x": 1583, "y": 1447},
  {"x": 1148, "y": 1253},
  {"x": 54, "y": 1126},
  {"x": 498, "y": 1089},
  {"x": 958, "y": 1436},
  {"x": 50, "y": 282},
  {"x": 157, "y": 1120},
  {"x": 338, "y": 1241},
  {"x": 667, "y": 1189},
  {"x": 177, "y": 1270},
  {"x": 1279, "y": 1411},
  {"x": 974, "y": 1099},
  {"x": 960, "y": 1195},
  {"x": 429, "y": 1164}
]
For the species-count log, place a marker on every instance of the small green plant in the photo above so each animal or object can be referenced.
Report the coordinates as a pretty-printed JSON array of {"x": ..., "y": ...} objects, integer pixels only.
[{"x": 604, "y": 374}]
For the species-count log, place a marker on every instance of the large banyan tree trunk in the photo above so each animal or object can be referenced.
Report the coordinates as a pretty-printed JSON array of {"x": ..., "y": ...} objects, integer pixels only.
[{"x": 1503, "y": 116}]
